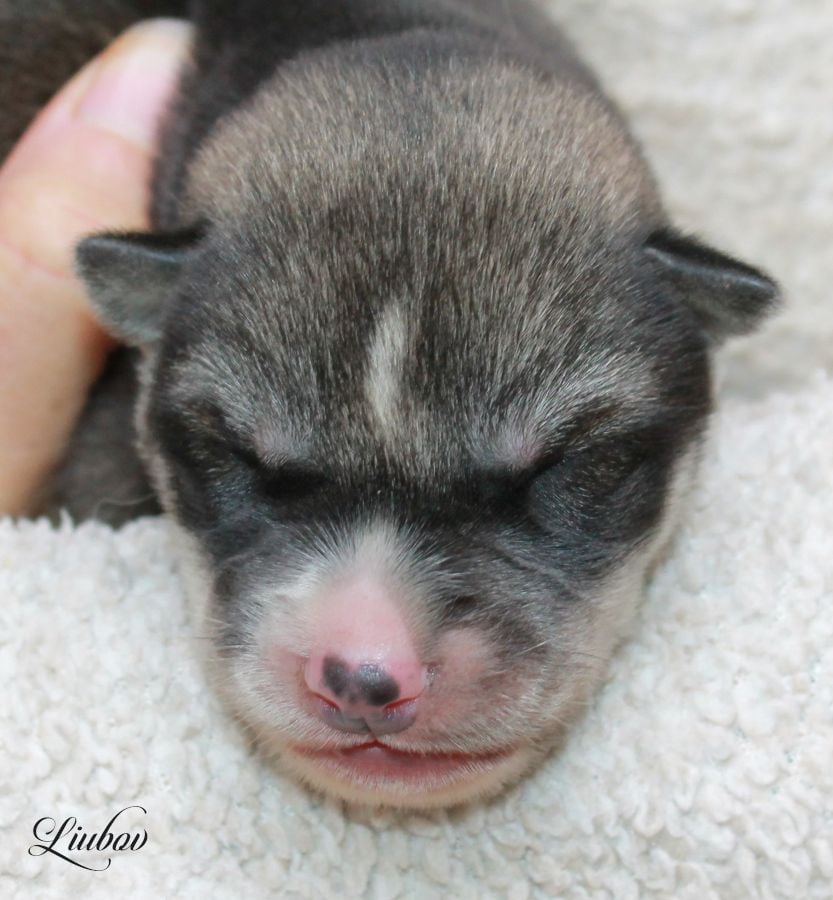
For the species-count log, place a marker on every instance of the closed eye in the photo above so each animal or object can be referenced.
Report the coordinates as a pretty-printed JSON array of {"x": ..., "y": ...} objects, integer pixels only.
[
  {"x": 513, "y": 484},
  {"x": 285, "y": 483},
  {"x": 205, "y": 443},
  {"x": 590, "y": 469},
  {"x": 601, "y": 466}
]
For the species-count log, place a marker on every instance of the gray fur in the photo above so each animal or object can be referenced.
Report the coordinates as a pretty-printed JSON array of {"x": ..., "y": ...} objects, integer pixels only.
[
  {"x": 102, "y": 477},
  {"x": 429, "y": 304}
]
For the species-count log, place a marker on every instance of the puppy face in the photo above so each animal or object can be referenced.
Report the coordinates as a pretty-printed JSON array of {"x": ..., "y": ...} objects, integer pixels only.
[
  {"x": 423, "y": 427},
  {"x": 482, "y": 454}
]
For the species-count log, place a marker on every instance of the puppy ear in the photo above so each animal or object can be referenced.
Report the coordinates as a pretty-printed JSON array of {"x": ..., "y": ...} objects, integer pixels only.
[
  {"x": 131, "y": 279},
  {"x": 727, "y": 296}
]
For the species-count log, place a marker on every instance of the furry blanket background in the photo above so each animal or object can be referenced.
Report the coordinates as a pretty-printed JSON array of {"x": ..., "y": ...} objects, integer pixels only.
[{"x": 704, "y": 768}]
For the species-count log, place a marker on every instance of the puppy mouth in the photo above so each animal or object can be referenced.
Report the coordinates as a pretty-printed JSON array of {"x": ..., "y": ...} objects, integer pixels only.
[{"x": 376, "y": 763}]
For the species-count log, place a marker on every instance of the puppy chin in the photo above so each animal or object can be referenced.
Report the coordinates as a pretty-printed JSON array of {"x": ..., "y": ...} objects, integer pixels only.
[{"x": 477, "y": 779}]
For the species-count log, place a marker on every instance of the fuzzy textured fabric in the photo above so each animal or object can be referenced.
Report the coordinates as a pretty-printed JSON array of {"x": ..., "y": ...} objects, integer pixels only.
[{"x": 704, "y": 767}]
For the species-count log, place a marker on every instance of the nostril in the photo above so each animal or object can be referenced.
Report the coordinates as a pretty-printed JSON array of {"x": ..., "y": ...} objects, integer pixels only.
[
  {"x": 366, "y": 688},
  {"x": 375, "y": 685},
  {"x": 335, "y": 676},
  {"x": 370, "y": 700}
]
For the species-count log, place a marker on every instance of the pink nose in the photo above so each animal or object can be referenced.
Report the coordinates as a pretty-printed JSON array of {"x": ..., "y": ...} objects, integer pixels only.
[
  {"x": 380, "y": 696},
  {"x": 363, "y": 669}
]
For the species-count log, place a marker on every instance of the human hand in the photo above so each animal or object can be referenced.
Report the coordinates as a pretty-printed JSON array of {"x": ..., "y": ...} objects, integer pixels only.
[{"x": 82, "y": 166}]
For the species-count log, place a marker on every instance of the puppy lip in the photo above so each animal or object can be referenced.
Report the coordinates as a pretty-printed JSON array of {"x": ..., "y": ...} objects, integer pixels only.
[{"x": 379, "y": 762}]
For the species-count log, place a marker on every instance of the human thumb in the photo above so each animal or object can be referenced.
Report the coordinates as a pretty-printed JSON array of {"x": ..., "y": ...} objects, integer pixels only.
[{"x": 83, "y": 165}]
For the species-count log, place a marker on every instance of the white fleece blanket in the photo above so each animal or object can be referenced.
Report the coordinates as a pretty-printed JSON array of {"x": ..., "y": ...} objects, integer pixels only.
[{"x": 703, "y": 769}]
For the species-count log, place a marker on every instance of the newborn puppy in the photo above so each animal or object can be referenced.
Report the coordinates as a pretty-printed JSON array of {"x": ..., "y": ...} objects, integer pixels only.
[{"x": 424, "y": 370}]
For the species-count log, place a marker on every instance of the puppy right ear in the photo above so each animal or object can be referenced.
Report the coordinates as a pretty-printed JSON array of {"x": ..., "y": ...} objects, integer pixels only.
[
  {"x": 131, "y": 278},
  {"x": 727, "y": 296}
]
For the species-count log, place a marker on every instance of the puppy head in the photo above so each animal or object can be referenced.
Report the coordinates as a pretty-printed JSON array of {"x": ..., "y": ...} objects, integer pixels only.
[{"x": 423, "y": 422}]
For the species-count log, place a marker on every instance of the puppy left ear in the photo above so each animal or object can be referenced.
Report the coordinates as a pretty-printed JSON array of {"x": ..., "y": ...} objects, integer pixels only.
[
  {"x": 131, "y": 279},
  {"x": 727, "y": 296}
]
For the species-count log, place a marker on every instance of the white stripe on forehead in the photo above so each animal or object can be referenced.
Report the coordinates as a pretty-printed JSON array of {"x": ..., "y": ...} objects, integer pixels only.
[{"x": 386, "y": 360}]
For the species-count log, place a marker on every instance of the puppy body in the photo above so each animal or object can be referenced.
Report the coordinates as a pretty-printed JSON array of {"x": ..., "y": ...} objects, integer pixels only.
[{"x": 424, "y": 367}]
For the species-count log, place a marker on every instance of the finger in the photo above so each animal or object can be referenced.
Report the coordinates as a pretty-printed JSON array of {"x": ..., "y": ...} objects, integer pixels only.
[{"x": 84, "y": 165}]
